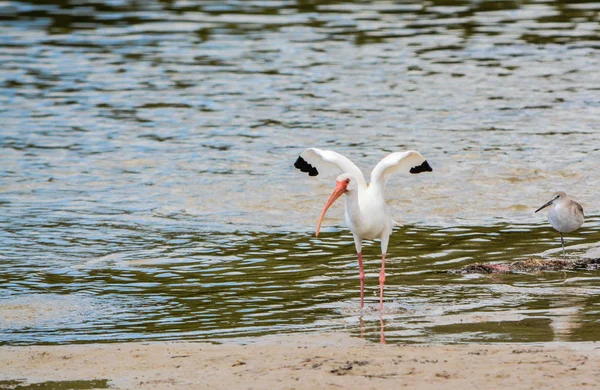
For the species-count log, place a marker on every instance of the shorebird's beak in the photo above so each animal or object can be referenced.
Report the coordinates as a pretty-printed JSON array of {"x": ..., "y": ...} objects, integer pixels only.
[
  {"x": 545, "y": 205},
  {"x": 340, "y": 188}
]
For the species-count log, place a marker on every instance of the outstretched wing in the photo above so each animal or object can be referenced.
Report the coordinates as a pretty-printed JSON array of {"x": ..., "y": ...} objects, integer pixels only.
[
  {"x": 399, "y": 162},
  {"x": 316, "y": 161}
]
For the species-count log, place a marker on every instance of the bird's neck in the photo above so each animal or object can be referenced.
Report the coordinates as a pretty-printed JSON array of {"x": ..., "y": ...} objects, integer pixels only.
[
  {"x": 352, "y": 199},
  {"x": 375, "y": 188},
  {"x": 365, "y": 194}
]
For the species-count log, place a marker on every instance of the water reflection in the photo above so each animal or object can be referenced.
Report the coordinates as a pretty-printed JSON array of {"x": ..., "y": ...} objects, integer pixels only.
[
  {"x": 148, "y": 191},
  {"x": 363, "y": 23},
  {"x": 381, "y": 329},
  {"x": 250, "y": 284}
]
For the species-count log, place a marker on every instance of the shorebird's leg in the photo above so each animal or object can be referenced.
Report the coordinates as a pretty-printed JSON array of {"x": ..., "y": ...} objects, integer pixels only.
[
  {"x": 361, "y": 271},
  {"x": 562, "y": 241},
  {"x": 384, "y": 243}
]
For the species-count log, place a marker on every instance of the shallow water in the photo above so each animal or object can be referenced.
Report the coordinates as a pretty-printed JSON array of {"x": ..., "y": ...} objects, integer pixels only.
[{"x": 147, "y": 182}]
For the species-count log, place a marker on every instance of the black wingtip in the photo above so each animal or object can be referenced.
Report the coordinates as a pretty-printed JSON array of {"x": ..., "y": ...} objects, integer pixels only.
[
  {"x": 303, "y": 166},
  {"x": 424, "y": 167}
]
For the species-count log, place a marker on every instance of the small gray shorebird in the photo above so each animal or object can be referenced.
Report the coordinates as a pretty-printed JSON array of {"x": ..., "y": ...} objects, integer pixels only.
[{"x": 565, "y": 215}]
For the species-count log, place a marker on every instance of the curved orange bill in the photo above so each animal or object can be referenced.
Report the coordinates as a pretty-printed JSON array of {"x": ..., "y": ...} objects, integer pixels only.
[{"x": 340, "y": 188}]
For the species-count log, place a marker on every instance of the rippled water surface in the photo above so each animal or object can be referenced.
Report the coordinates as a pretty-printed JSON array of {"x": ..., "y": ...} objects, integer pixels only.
[{"x": 148, "y": 190}]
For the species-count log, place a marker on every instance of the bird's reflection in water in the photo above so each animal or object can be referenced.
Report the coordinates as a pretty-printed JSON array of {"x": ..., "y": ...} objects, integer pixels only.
[{"x": 381, "y": 329}]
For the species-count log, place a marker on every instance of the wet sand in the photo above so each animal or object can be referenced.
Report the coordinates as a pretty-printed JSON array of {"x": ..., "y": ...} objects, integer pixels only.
[{"x": 324, "y": 361}]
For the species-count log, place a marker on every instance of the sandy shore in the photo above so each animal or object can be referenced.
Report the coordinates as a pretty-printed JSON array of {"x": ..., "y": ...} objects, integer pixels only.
[{"x": 325, "y": 361}]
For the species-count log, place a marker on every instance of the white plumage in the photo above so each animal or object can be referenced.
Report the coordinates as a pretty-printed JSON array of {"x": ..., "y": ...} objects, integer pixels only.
[{"x": 367, "y": 214}]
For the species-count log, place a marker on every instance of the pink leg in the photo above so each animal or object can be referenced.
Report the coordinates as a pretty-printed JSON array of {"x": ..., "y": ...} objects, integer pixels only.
[
  {"x": 362, "y": 280},
  {"x": 381, "y": 282}
]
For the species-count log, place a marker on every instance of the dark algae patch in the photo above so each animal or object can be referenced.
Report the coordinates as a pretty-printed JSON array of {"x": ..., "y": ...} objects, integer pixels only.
[
  {"x": 55, "y": 385},
  {"x": 529, "y": 265}
]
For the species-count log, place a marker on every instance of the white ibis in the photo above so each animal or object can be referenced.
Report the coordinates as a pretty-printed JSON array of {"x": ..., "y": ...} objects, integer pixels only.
[
  {"x": 565, "y": 215},
  {"x": 367, "y": 213}
]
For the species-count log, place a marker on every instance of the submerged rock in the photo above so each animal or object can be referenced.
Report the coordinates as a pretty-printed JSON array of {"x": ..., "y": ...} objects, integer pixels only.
[{"x": 529, "y": 265}]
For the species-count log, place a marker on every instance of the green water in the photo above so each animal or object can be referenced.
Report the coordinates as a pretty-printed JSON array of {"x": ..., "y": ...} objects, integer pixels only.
[{"x": 148, "y": 189}]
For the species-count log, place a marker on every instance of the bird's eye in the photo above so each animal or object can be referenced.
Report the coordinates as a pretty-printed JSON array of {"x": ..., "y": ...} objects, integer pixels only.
[{"x": 347, "y": 181}]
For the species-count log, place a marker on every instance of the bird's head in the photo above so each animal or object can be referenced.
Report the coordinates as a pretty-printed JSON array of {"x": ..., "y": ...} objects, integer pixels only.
[
  {"x": 344, "y": 183},
  {"x": 559, "y": 195},
  {"x": 556, "y": 197}
]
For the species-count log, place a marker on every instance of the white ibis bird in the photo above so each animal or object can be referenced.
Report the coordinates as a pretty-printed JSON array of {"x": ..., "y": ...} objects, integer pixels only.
[
  {"x": 565, "y": 215},
  {"x": 367, "y": 213}
]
